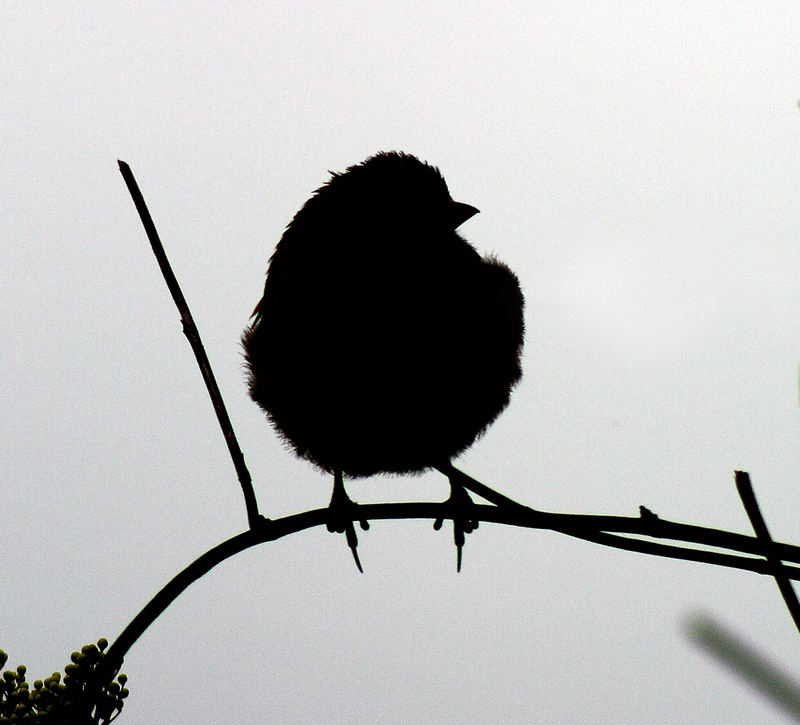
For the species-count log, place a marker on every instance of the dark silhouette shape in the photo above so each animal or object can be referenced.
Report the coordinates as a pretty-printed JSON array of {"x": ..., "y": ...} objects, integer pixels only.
[{"x": 384, "y": 343}]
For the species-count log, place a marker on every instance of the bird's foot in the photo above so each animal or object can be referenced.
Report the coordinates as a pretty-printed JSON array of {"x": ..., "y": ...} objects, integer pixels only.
[
  {"x": 459, "y": 506},
  {"x": 341, "y": 513}
]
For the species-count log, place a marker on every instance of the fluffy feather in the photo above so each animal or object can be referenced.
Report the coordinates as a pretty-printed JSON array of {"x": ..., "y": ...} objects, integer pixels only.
[{"x": 384, "y": 342}]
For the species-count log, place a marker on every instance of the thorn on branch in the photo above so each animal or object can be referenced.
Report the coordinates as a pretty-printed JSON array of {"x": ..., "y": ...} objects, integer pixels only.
[{"x": 646, "y": 514}]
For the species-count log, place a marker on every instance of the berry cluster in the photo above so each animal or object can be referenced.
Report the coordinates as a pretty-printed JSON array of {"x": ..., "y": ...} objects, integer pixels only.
[{"x": 66, "y": 699}]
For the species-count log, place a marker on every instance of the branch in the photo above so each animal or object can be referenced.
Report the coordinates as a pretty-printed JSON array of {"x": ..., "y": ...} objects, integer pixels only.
[
  {"x": 582, "y": 526},
  {"x": 190, "y": 330},
  {"x": 745, "y": 489},
  {"x": 766, "y": 556}
]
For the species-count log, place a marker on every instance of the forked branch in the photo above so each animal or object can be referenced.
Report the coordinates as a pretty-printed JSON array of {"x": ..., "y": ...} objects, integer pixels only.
[{"x": 759, "y": 554}]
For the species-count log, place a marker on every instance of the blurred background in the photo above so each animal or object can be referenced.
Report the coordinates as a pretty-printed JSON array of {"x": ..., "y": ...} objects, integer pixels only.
[{"x": 634, "y": 163}]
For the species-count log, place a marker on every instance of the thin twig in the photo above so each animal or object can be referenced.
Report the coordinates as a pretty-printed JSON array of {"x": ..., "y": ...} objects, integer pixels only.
[
  {"x": 745, "y": 489},
  {"x": 190, "y": 330},
  {"x": 481, "y": 489}
]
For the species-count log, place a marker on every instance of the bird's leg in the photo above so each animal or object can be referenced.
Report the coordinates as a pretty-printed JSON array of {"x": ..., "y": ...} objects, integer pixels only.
[
  {"x": 340, "y": 516},
  {"x": 460, "y": 505}
]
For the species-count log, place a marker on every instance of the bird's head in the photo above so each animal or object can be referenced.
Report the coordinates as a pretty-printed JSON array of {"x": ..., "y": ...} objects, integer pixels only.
[{"x": 393, "y": 190}]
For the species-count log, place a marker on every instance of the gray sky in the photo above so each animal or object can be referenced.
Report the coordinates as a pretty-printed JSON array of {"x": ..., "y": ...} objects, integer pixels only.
[{"x": 634, "y": 163}]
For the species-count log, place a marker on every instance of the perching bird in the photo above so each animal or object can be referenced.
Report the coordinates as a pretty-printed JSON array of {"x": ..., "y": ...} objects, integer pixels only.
[{"x": 384, "y": 342}]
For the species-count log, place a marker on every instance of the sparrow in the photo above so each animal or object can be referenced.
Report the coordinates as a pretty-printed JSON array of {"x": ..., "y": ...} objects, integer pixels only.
[{"x": 384, "y": 342}]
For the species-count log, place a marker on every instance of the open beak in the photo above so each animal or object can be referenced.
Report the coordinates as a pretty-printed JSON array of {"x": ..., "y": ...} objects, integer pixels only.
[{"x": 459, "y": 213}]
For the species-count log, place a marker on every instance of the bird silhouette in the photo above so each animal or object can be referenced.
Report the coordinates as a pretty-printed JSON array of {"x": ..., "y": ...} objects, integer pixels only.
[{"x": 384, "y": 342}]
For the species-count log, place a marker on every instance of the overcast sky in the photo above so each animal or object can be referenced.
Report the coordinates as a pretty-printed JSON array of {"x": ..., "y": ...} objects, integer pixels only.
[{"x": 635, "y": 163}]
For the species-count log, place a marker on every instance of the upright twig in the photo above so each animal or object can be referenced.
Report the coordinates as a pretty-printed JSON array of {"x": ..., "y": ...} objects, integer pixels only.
[
  {"x": 745, "y": 489},
  {"x": 190, "y": 330}
]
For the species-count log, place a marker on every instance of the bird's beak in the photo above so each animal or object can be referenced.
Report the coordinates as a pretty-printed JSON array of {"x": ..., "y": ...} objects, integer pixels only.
[{"x": 459, "y": 213}]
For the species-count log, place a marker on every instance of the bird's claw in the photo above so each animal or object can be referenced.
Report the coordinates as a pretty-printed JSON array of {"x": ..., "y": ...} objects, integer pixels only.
[
  {"x": 459, "y": 504},
  {"x": 341, "y": 515}
]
